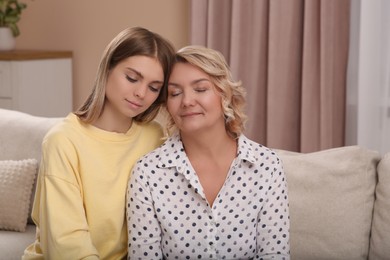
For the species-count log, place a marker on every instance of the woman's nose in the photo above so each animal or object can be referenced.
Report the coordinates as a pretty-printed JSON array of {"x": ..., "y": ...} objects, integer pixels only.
[
  {"x": 188, "y": 99},
  {"x": 140, "y": 91}
]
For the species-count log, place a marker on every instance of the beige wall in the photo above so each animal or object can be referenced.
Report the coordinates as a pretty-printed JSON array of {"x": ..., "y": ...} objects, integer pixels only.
[{"x": 85, "y": 27}]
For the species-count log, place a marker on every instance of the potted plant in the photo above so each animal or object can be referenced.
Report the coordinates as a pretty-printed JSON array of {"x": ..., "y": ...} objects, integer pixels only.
[{"x": 10, "y": 12}]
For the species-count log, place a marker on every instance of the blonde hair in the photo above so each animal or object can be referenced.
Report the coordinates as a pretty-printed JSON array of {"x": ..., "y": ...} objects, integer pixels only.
[
  {"x": 232, "y": 92},
  {"x": 129, "y": 42}
]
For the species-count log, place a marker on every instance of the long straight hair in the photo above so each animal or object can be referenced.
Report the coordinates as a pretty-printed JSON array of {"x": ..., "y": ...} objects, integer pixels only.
[{"x": 130, "y": 42}]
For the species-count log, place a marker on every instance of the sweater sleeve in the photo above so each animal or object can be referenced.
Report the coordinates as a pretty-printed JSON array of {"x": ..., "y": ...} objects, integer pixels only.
[{"x": 58, "y": 208}]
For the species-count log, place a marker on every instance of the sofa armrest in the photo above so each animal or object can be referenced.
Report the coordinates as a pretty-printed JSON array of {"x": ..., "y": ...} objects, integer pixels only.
[{"x": 380, "y": 233}]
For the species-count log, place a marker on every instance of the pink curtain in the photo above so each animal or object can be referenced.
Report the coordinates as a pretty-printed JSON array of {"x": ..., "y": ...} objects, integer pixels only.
[{"x": 292, "y": 57}]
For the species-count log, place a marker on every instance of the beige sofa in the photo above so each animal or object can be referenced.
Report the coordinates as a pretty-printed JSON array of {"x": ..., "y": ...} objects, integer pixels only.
[{"x": 339, "y": 198}]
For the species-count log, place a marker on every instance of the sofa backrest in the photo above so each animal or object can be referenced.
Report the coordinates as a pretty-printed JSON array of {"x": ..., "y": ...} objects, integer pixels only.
[
  {"x": 331, "y": 198},
  {"x": 21, "y": 134}
]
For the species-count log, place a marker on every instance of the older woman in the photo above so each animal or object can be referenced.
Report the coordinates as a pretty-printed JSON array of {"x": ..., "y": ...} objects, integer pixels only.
[{"x": 208, "y": 192}]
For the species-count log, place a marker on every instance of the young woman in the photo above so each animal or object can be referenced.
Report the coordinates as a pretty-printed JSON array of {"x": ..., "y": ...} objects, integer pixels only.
[
  {"x": 79, "y": 207},
  {"x": 208, "y": 192}
]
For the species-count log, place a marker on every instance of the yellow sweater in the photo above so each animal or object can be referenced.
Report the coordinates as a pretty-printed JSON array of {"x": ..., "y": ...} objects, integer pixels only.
[{"x": 79, "y": 206}]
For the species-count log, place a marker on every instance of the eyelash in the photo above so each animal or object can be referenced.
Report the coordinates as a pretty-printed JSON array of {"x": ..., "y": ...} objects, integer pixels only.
[
  {"x": 174, "y": 94},
  {"x": 131, "y": 79},
  {"x": 201, "y": 90},
  {"x": 153, "y": 89}
]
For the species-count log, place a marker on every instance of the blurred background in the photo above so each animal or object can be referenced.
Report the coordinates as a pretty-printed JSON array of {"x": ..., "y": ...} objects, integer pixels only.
[{"x": 316, "y": 71}]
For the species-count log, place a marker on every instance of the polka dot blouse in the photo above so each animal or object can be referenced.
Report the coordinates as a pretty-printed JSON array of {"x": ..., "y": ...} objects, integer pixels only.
[{"x": 169, "y": 216}]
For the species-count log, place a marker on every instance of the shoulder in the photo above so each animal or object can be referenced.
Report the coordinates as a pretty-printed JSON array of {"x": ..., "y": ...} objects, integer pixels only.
[
  {"x": 255, "y": 151},
  {"x": 151, "y": 156},
  {"x": 152, "y": 128},
  {"x": 146, "y": 165},
  {"x": 163, "y": 154},
  {"x": 64, "y": 131},
  {"x": 150, "y": 135},
  {"x": 258, "y": 158}
]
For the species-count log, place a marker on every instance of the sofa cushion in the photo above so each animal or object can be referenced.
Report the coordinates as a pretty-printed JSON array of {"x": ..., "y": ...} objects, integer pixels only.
[
  {"x": 22, "y": 134},
  {"x": 16, "y": 184},
  {"x": 331, "y": 198},
  {"x": 380, "y": 233}
]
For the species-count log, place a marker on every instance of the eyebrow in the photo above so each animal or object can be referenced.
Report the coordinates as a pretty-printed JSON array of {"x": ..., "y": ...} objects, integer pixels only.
[
  {"x": 139, "y": 74},
  {"x": 194, "y": 82},
  {"x": 135, "y": 71}
]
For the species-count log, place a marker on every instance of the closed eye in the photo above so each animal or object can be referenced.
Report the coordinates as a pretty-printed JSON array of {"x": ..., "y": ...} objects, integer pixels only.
[
  {"x": 200, "y": 89},
  {"x": 130, "y": 79},
  {"x": 154, "y": 89},
  {"x": 174, "y": 93}
]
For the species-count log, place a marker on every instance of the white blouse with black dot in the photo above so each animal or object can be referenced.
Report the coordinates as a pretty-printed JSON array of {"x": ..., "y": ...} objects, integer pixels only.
[{"x": 169, "y": 217}]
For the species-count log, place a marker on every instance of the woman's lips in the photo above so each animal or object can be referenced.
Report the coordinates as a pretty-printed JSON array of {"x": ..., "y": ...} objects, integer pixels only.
[
  {"x": 189, "y": 114},
  {"x": 133, "y": 104}
]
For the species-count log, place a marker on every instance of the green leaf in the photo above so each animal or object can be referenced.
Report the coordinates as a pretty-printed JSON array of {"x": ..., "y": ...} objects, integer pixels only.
[
  {"x": 10, "y": 12},
  {"x": 15, "y": 30}
]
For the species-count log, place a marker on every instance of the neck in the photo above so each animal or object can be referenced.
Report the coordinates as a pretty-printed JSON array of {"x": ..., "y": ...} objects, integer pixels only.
[
  {"x": 208, "y": 145},
  {"x": 113, "y": 122}
]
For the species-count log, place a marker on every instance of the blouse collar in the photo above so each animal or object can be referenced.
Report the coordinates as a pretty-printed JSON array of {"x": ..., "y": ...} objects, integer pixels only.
[{"x": 172, "y": 153}]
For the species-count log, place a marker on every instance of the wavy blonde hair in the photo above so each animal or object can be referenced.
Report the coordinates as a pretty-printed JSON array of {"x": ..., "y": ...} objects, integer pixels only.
[
  {"x": 129, "y": 42},
  {"x": 232, "y": 92}
]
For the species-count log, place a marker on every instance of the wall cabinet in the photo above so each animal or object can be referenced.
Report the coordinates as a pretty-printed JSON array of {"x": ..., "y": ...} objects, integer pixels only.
[{"x": 36, "y": 82}]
